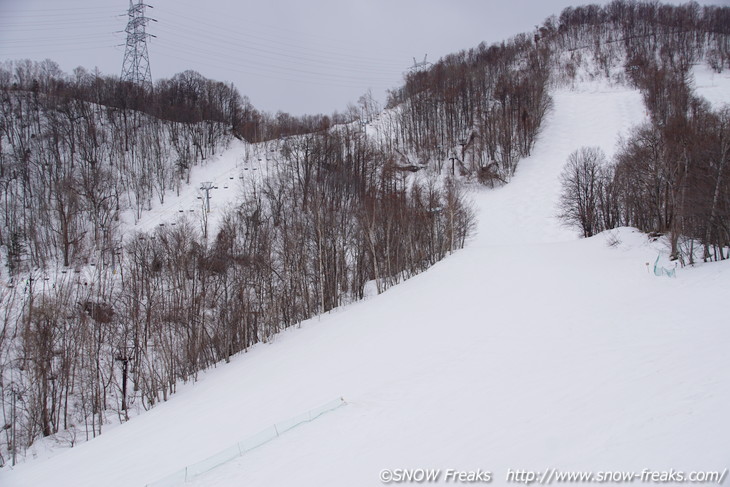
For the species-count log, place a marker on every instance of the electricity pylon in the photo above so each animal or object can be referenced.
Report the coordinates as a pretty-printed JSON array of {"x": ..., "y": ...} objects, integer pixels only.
[
  {"x": 420, "y": 66},
  {"x": 136, "y": 64}
]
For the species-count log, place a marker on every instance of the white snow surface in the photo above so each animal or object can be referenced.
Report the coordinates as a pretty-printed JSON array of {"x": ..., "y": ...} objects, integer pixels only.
[
  {"x": 711, "y": 85},
  {"x": 229, "y": 172},
  {"x": 528, "y": 349}
]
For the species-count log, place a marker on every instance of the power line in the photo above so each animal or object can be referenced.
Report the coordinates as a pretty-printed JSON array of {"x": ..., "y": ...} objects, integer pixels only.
[
  {"x": 286, "y": 75},
  {"x": 54, "y": 40},
  {"x": 274, "y": 37},
  {"x": 283, "y": 61},
  {"x": 274, "y": 33}
]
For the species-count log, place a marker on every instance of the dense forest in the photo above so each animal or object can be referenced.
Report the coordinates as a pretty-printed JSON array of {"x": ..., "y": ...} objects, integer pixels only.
[{"x": 98, "y": 321}]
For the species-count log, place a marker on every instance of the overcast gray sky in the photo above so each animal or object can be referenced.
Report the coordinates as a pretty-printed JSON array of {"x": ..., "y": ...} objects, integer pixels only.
[{"x": 297, "y": 56}]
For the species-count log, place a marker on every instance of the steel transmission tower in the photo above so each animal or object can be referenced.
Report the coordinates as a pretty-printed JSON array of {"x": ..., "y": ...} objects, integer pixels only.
[
  {"x": 136, "y": 65},
  {"x": 422, "y": 66}
]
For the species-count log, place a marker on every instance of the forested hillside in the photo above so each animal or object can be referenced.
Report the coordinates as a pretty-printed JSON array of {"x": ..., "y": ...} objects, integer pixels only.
[
  {"x": 670, "y": 175},
  {"x": 99, "y": 320}
]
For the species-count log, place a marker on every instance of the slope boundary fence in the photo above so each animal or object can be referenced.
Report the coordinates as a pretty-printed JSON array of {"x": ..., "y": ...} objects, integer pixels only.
[
  {"x": 663, "y": 271},
  {"x": 191, "y": 472}
]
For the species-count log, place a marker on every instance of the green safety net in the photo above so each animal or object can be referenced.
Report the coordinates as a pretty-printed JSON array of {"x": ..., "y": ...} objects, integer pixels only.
[
  {"x": 663, "y": 271},
  {"x": 190, "y": 472}
]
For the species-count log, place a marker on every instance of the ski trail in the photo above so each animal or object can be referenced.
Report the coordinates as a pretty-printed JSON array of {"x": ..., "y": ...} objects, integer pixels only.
[{"x": 523, "y": 211}]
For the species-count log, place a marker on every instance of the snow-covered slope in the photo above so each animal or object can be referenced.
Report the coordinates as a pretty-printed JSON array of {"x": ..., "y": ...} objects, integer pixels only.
[
  {"x": 524, "y": 212},
  {"x": 229, "y": 173},
  {"x": 527, "y": 350}
]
